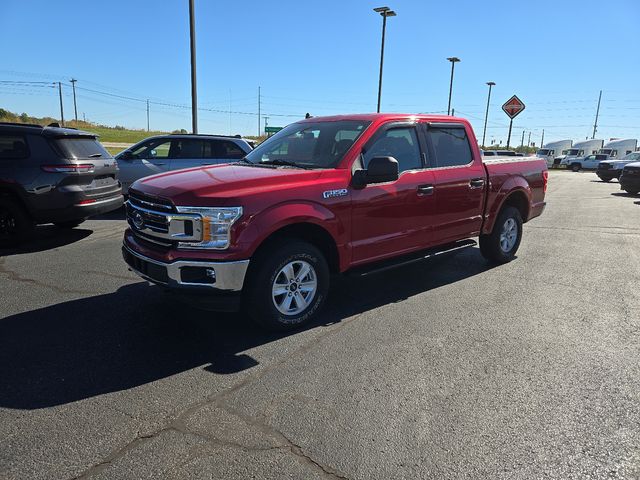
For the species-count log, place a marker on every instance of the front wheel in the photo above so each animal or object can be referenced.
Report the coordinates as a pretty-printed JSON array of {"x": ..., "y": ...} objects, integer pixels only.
[
  {"x": 287, "y": 286},
  {"x": 501, "y": 245},
  {"x": 575, "y": 167}
]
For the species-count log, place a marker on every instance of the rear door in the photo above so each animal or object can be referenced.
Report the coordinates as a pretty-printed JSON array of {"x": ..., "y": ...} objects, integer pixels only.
[
  {"x": 459, "y": 181},
  {"x": 394, "y": 217},
  {"x": 221, "y": 151}
]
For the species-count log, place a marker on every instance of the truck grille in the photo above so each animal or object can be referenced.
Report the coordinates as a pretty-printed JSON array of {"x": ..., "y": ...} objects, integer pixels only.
[{"x": 156, "y": 220}]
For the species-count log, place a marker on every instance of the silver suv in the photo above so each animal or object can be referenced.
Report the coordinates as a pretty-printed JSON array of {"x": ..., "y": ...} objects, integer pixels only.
[{"x": 172, "y": 152}]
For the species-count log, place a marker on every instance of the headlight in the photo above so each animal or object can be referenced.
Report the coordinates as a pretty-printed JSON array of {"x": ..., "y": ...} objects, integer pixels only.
[{"x": 216, "y": 226}]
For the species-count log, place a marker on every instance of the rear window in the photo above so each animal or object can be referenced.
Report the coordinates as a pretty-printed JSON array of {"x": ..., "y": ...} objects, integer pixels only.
[
  {"x": 451, "y": 146},
  {"x": 13, "y": 147},
  {"x": 82, "y": 148}
]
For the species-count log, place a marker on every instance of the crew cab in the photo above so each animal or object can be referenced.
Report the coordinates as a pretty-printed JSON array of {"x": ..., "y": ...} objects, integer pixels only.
[{"x": 327, "y": 195}]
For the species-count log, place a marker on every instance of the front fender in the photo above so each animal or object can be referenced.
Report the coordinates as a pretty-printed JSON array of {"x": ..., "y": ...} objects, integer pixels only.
[
  {"x": 274, "y": 218},
  {"x": 497, "y": 198}
]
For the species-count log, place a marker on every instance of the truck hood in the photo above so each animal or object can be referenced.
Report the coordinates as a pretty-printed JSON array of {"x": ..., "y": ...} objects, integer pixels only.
[{"x": 221, "y": 185}]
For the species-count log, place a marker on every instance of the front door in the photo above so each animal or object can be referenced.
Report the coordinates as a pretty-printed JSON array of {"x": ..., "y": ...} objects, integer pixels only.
[
  {"x": 394, "y": 217},
  {"x": 147, "y": 159}
]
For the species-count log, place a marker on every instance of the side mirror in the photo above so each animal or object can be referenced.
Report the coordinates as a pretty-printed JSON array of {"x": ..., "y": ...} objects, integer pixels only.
[
  {"x": 380, "y": 170},
  {"x": 126, "y": 155}
]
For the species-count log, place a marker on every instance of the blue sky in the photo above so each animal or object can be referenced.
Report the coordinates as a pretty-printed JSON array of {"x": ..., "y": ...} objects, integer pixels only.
[{"x": 323, "y": 58}]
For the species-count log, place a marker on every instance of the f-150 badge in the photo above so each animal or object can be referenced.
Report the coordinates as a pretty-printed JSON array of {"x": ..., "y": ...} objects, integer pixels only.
[{"x": 335, "y": 193}]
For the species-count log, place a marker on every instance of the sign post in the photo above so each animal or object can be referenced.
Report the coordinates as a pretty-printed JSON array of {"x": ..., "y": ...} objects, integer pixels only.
[{"x": 512, "y": 108}]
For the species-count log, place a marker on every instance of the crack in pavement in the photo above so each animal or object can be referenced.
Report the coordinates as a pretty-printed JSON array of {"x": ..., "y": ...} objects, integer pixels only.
[
  {"x": 218, "y": 400},
  {"x": 15, "y": 276}
]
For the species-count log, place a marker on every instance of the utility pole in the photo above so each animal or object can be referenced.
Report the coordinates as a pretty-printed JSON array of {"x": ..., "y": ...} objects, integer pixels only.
[
  {"x": 529, "y": 140},
  {"x": 542, "y": 141},
  {"x": 595, "y": 124},
  {"x": 194, "y": 92},
  {"x": 75, "y": 107},
  {"x": 522, "y": 141},
  {"x": 147, "y": 114},
  {"x": 453, "y": 112},
  {"x": 258, "y": 111},
  {"x": 265, "y": 124},
  {"x": 486, "y": 115},
  {"x": 61, "y": 108}
]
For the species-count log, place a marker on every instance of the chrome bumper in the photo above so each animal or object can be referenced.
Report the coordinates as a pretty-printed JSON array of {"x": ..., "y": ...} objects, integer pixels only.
[{"x": 223, "y": 276}]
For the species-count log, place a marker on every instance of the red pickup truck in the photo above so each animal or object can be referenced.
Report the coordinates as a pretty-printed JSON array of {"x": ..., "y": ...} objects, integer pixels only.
[{"x": 323, "y": 196}]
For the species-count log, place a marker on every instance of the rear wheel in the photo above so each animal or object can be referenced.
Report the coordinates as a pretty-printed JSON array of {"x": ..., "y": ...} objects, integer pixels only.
[
  {"x": 288, "y": 286},
  {"x": 501, "y": 245},
  {"x": 15, "y": 224},
  {"x": 632, "y": 192},
  {"x": 575, "y": 167},
  {"x": 69, "y": 223}
]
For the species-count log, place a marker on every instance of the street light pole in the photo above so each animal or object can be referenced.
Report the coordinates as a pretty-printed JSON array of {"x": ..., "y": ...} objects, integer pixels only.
[
  {"x": 61, "y": 107},
  {"x": 384, "y": 12},
  {"x": 486, "y": 115},
  {"x": 453, "y": 61},
  {"x": 194, "y": 92}
]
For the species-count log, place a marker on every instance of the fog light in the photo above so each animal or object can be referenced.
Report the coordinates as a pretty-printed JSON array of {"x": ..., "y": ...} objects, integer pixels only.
[{"x": 211, "y": 273}]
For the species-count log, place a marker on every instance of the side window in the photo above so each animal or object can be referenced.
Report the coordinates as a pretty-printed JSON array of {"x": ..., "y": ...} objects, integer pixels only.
[
  {"x": 399, "y": 143},
  {"x": 13, "y": 147},
  {"x": 226, "y": 149},
  {"x": 153, "y": 150},
  {"x": 451, "y": 146},
  {"x": 186, "y": 149}
]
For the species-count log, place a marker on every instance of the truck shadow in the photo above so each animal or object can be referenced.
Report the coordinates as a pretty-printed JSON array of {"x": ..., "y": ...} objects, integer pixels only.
[
  {"x": 48, "y": 237},
  {"x": 107, "y": 343}
]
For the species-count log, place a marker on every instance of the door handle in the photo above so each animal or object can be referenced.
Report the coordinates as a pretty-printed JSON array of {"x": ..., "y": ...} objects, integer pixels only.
[
  {"x": 476, "y": 183},
  {"x": 425, "y": 189}
]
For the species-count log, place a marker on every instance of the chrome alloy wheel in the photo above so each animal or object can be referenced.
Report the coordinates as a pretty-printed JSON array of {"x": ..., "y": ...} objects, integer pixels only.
[
  {"x": 508, "y": 235},
  {"x": 294, "y": 287}
]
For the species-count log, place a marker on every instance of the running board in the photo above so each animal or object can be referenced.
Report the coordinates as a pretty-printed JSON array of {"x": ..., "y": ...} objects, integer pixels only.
[{"x": 423, "y": 255}]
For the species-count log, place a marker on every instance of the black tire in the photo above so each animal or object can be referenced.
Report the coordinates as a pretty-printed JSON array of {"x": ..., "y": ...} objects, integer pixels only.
[
  {"x": 15, "y": 224},
  {"x": 490, "y": 245},
  {"x": 69, "y": 223},
  {"x": 606, "y": 180},
  {"x": 261, "y": 303},
  {"x": 631, "y": 192},
  {"x": 575, "y": 167}
]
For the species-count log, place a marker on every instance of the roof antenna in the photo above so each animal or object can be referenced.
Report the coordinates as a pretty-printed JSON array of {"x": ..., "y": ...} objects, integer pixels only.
[{"x": 307, "y": 115}]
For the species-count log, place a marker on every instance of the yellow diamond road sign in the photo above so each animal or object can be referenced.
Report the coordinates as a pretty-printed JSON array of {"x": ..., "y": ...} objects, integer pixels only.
[{"x": 513, "y": 107}]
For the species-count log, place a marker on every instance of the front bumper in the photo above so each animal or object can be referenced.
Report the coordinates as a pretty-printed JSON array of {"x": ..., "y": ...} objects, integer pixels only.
[
  {"x": 195, "y": 275},
  {"x": 627, "y": 183}
]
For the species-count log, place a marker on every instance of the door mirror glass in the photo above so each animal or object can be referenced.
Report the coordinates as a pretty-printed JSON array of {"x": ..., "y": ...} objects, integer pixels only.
[{"x": 126, "y": 155}]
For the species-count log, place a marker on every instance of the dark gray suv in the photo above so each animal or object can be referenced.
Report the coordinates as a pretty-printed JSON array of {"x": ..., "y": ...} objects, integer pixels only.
[{"x": 52, "y": 175}]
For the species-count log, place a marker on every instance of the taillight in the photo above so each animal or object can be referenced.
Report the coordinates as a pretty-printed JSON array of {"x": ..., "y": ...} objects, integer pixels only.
[
  {"x": 68, "y": 168},
  {"x": 545, "y": 180},
  {"x": 87, "y": 202}
]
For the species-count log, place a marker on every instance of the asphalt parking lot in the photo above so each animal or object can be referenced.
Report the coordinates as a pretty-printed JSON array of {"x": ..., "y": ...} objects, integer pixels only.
[{"x": 453, "y": 369}]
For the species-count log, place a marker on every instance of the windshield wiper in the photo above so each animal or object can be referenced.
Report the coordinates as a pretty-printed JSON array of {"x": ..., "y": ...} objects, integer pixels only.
[
  {"x": 244, "y": 160},
  {"x": 286, "y": 163}
]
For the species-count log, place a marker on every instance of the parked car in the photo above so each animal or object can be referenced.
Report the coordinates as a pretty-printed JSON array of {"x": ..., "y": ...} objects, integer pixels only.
[
  {"x": 610, "y": 169},
  {"x": 588, "y": 162},
  {"x": 354, "y": 193},
  {"x": 164, "y": 153},
  {"x": 630, "y": 178},
  {"x": 578, "y": 150},
  {"x": 52, "y": 175}
]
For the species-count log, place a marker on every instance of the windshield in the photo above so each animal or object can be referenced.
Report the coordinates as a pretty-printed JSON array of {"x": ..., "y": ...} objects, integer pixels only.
[
  {"x": 632, "y": 156},
  {"x": 544, "y": 152},
  {"x": 309, "y": 144},
  {"x": 573, "y": 151}
]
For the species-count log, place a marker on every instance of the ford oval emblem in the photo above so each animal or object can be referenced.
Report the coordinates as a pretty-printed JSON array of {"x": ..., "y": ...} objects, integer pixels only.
[{"x": 138, "y": 220}]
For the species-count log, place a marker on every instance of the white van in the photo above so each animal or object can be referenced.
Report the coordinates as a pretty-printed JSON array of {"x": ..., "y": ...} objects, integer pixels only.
[
  {"x": 552, "y": 150},
  {"x": 579, "y": 150},
  {"x": 619, "y": 148}
]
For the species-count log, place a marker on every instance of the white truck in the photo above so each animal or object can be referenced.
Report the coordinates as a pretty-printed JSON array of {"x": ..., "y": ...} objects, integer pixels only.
[
  {"x": 553, "y": 150},
  {"x": 618, "y": 148},
  {"x": 579, "y": 150}
]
